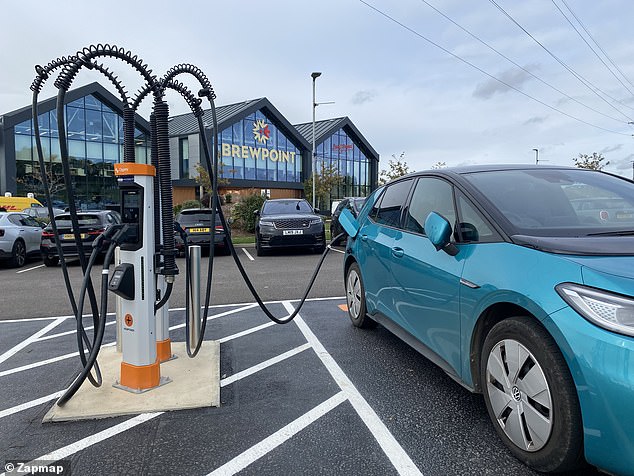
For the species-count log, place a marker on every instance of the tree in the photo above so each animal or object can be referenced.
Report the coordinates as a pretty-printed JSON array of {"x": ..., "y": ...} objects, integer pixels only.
[
  {"x": 244, "y": 210},
  {"x": 396, "y": 168},
  {"x": 204, "y": 181},
  {"x": 327, "y": 179},
  {"x": 439, "y": 165},
  {"x": 594, "y": 161},
  {"x": 34, "y": 180}
]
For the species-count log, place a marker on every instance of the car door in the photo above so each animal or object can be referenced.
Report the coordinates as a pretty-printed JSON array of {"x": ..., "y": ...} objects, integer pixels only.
[
  {"x": 427, "y": 291},
  {"x": 376, "y": 241},
  {"x": 32, "y": 233}
]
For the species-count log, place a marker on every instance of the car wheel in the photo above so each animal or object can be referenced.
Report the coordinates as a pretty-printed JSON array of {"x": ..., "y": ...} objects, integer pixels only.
[
  {"x": 531, "y": 397},
  {"x": 18, "y": 254},
  {"x": 355, "y": 297},
  {"x": 258, "y": 247},
  {"x": 50, "y": 261}
]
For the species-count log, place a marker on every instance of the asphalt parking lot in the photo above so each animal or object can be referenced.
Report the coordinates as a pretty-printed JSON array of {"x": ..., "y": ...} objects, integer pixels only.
[{"x": 316, "y": 396}]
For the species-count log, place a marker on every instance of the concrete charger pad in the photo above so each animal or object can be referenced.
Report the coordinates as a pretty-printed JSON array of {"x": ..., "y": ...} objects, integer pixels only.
[{"x": 195, "y": 383}]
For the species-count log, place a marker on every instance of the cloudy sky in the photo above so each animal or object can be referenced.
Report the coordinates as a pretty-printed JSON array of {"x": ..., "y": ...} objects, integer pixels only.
[{"x": 458, "y": 101}]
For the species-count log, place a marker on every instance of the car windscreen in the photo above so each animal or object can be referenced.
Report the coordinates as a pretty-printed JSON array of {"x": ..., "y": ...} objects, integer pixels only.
[
  {"x": 357, "y": 203},
  {"x": 190, "y": 218},
  {"x": 286, "y": 207},
  {"x": 559, "y": 202},
  {"x": 84, "y": 220}
]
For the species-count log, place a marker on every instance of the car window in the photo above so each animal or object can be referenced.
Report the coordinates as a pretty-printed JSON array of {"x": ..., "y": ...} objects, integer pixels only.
[
  {"x": 15, "y": 219},
  {"x": 286, "y": 206},
  {"x": 394, "y": 198},
  {"x": 29, "y": 221},
  {"x": 472, "y": 225},
  {"x": 84, "y": 220},
  {"x": 430, "y": 195}
]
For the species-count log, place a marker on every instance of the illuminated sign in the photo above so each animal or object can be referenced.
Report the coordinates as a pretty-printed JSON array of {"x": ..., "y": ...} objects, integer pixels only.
[
  {"x": 261, "y": 134},
  {"x": 342, "y": 147}
]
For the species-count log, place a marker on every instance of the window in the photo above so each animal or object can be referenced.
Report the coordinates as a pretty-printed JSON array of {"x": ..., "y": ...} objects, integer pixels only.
[
  {"x": 183, "y": 152},
  {"x": 431, "y": 195},
  {"x": 394, "y": 198},
  {"x": 472, "y": 226}
]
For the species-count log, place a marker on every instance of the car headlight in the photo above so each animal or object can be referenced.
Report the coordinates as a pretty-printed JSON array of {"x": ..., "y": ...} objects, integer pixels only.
[
  {"x": 266, "y": 223},
  {"x": 605, "y": 309},
  {"x": 314, "y": 221}
]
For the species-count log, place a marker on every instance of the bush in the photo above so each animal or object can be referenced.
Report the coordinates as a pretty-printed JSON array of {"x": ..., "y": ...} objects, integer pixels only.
[
  {"x": 185, "y": 205},
  {"x": 228, "y": 198},
  {"x": 243, "y": 211}
]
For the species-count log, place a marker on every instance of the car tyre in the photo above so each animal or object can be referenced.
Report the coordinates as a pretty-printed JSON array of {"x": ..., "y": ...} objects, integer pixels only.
[
  {"x": 18, "y": 254},
  {"x": 530, "y": 396},
  {"x": 50, "y": 261},
  {"x": 258, "y": 247},
  {"x": 355, "y": 297}
]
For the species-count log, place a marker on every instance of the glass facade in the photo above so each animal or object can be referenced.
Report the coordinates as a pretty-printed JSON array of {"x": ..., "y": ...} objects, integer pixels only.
[
  {"x": 340, "y": 152},
  {"x": 95, "y": 144},
  {"x": 255, "y": 149}
]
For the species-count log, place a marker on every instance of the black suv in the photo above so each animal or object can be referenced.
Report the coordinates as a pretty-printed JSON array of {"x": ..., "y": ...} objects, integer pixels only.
[
  {"x": 288, "y": 223},
  {"x": 91, "y": 225},
  {"x": 354, "y": 204},
  {"x": 197, "y": 224}
]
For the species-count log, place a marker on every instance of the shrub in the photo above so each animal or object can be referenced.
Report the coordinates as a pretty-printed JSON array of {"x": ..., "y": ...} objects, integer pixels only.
[
  {"x": 243, "y": 211},
  {"x": 228, "y": 198},
  {"x": 185, "y": 205}
]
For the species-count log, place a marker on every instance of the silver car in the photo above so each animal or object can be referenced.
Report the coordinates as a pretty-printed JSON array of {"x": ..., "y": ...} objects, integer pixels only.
[{"x": 20, "y": 236}]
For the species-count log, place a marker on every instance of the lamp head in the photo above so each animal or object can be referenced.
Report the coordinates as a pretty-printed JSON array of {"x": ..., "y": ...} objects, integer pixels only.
[{"x": 315, "y": 75}]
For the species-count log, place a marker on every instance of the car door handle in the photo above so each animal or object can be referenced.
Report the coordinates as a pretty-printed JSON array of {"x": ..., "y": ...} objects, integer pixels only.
[
  {"x": 397, "y": 252},
  {"x": 364, "y": 237}
]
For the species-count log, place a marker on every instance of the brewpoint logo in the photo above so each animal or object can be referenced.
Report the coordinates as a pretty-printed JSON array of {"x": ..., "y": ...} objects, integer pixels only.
[{"x": 261, "y": 131}]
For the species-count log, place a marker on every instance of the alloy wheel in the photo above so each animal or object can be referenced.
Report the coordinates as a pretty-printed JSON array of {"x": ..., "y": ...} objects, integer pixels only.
[
  {"x": 353, "y": 293},
  {"x": 520, "y": 395},
  {"x": 20, "y": 254}
]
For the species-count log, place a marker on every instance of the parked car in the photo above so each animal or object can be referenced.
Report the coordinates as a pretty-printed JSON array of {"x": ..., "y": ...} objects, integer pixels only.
[
  {"x": 91, "y": 225},
  {"x": 19, "y": 237},
  {"x": 197, "y": 223},
  {"x": 41, "y": 213},
  {"x": 602, "y": 209},
  {"x": 354, "y": 204},
  {"x": 491, "y": 274},
  {"x": 288, "y": 223}
]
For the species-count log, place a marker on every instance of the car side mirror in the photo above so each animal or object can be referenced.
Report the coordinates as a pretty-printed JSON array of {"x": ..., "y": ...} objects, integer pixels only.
[
  {"x": 438, "y": 230},
  {"x": 349, "y": 223},
  {"x": 316, "y": 210},
  {"x": 256, "y": 213}
]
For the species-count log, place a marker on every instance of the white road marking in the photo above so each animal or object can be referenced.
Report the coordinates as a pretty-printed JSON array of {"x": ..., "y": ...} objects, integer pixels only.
[
  {"x": 267, "y": 445},
  {"x": 84, "y": 443},
  {"x": 14, "y": 350},
  {"x": 216, "y": 316},
  {"x": 28, "y": 269},
  {"x": 338, "y": 251},
  {"x": 61, "y": 334},
  {"x": 248, "y": 254},
  {"x": 262, "y": 365},
  {"x": 45, "y": 362},
  {"x": 32, "y": 403},
  {"x": 392, "y": 449},
  {"x": 247, "y": 332},
  {"x": 33, "y": 319}
]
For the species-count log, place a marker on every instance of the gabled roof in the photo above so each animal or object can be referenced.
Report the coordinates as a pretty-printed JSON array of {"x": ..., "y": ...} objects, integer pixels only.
[
  {"x": 20, "y": 115},
  {"x": 324, "y": 129},
  {"x": 227, "y": 115}
]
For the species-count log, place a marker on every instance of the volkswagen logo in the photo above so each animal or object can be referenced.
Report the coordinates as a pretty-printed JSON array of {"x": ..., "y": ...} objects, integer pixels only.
[{"x": 517, "y": 395}]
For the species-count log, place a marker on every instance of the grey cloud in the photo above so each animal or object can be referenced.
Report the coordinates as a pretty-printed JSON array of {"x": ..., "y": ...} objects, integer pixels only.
[
  {"x": 361, "y": 97},
  {"x": 624, "y": 163},
  {"x": 535, "y": 120},
  {"x": 612, "y": 148},
  {"x": 513, "y": 77}
]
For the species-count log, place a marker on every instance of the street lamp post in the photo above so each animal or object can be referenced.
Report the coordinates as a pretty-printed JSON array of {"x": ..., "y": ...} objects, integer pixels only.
[
  {"x": 313, "y": 162},
  {"x": 536, "y": 156}
]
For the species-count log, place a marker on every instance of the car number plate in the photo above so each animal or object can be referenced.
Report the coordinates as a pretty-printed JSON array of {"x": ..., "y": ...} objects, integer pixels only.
[
  {"x": 293, "y": 232},
  {"x": 199, "y": 230},
  {"x": 70, "y": 236}
]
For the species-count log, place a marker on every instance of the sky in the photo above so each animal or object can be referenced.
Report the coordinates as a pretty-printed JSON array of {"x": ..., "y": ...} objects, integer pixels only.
[{"x": 457, "y": 102}]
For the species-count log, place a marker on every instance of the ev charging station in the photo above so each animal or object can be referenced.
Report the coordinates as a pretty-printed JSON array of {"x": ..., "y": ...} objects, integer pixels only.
[{"x": 133, "y": 381}]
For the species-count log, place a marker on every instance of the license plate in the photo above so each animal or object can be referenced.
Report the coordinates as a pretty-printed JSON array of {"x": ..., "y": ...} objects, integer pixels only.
[
  {"x": 293, "y": 232},
  {"x": 623, "y": 216},
  {"x": 199, "y": 230},
  {"x": 70, "y": 236}
]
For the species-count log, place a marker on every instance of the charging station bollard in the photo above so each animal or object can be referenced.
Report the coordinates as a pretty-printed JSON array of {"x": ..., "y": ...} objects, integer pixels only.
[
  {"x": 194, "y": 309},
  {"x": 163, "y": 341}
]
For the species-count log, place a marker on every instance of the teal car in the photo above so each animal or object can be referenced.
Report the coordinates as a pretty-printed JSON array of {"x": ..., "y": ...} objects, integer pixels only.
[{"x": 496, "y": 276}]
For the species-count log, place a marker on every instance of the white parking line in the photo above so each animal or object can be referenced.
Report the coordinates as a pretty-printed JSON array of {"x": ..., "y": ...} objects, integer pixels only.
[
  {"x": 84, "y": 443},
  {"x": 14, "y": 350},
  {"x": 32, "y": 403},
  {"x": 29, "y": 269},
  {"x": 67, "y": 333},
  {"x": 338, "y": 251},
  {"x": 267, "y": 445},
  {"x": 248, "y": 254},
  {"x": 247, "y": 332},
  {"x": 392, "y": 449},
  {"x": 262, "y": 365}
]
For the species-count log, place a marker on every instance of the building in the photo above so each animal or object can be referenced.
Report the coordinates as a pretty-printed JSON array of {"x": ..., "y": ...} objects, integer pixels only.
[
  {"x": 94, "y": 128},
  {"x": 260, "y": 150}
]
